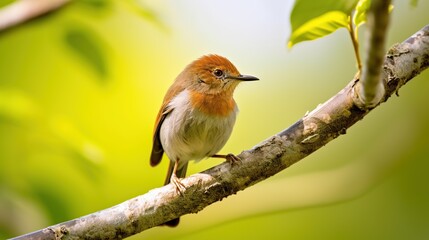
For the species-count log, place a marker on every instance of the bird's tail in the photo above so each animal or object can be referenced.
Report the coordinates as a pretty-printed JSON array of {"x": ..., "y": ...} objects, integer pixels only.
[{"x": 180, "y": 173}]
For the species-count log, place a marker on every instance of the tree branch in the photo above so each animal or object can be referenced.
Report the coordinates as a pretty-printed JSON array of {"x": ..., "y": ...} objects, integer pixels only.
[
  {"x": 24, "y": 10},
  {"x": 370, "y": 90},
  {"x": 328, "y": 121}
]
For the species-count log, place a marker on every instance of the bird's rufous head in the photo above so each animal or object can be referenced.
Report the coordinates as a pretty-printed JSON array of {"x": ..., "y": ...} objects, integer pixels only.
[{"x": 213, "y": 74}]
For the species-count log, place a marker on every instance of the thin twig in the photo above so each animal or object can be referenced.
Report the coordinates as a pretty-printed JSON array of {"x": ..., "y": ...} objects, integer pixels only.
[
  {"x": 354, "y": 37},
  {"x": 370, "y": 89},
  {"x": 24, "y": 10}
]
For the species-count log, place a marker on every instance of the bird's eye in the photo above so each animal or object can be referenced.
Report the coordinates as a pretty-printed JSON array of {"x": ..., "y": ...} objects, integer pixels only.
[{"x": 218, "y": 73}]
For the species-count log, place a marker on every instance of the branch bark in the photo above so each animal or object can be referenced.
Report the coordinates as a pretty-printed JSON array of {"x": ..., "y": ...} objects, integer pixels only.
[
  {"x": 24, "y": 10},
  {"x": 325, "y": 123}
]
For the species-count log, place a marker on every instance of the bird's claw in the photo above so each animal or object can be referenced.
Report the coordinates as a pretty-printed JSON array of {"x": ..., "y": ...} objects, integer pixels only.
[
  {"x": 232, "y": 159},
  {"x": 180, "y": 187}
]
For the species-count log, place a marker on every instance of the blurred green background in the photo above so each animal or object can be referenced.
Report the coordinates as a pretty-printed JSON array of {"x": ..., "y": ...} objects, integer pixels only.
[{"x": 80, "y": 89}]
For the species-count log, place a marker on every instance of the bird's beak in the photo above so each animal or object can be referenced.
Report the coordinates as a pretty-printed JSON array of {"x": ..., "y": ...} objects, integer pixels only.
[{"x": 244, "y": 78}]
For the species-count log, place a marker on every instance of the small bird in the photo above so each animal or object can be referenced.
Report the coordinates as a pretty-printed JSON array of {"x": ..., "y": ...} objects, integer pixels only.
[{"x": 196, "y": 117}]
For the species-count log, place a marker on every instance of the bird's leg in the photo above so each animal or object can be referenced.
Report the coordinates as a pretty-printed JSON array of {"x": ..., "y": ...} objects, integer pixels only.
[
  {"x": 180, "y": 188},
  {"x": 231, "y": 158}
]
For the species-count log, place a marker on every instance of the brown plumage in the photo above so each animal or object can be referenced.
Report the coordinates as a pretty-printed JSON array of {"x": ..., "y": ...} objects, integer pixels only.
[{"x": 196, "y": 117}]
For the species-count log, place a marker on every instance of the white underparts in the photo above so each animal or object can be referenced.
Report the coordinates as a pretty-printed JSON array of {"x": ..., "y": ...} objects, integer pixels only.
[{"x": 188, "y": 134}]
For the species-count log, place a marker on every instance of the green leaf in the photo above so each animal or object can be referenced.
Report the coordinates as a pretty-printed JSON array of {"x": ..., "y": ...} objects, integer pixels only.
[
  {"x": 319, "y": 27},
  {"x": 307, "y": 10},
  {"x": 89, "y": 47},
  {"x": 359, "y": 17},
  {"x": 362, "y": 8},
  {"x": 314, "y": 19}
]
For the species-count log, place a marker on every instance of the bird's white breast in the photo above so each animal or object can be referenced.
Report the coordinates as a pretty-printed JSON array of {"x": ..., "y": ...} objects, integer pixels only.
[{"x": 188, "y": 134}]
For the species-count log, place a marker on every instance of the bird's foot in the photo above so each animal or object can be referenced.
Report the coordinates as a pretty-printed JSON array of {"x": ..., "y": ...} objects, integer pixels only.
[
  {"x": 180, "y": 187},
  {"x": 230, "y": 158}
]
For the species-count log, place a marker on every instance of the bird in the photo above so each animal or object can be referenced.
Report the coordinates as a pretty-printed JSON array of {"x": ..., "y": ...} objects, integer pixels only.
[{"x": 196, "y": 117}]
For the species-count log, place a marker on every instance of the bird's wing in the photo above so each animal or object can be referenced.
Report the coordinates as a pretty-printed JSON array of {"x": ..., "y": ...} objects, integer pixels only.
[{"x": 157, "y": 149}]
